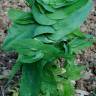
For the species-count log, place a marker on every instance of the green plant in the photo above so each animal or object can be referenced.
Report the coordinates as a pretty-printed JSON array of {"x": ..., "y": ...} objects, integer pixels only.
[{"x": 47, "y": 32}]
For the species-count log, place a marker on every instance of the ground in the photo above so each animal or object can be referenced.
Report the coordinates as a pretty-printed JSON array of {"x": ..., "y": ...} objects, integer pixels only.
[{"x": 86, "y": 58}]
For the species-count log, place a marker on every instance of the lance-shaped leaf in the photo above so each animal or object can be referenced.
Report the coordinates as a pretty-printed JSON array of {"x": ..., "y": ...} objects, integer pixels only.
[
  {"x": 64, "y": 12},
  {"x": 30, "y": 3},
  {"x": 71, "y": 22},
  {"x": 49, "y": 84},
  {"x": 58, "y": 3},
  {"x": 44, "y": 39},
  {"x": 41, "y": 18},
  {"x": 34, "y": 57},
  {"x": 66, "y": 88},
  {"x": 31, "y": 79},
  {"x": 79, "y": 44},
  {"x": 73, "y": 72},
  {"x": 50, "y": 52},
  {"x": 16, "y": 33},
  {"x": 20, "y": 17},
  {"x": 46, "y": 7},
  {"x": 40, "y": 30}
]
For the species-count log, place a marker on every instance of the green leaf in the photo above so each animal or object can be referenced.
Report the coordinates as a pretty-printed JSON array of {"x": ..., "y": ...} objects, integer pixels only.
[
  {"x": 41, "y": 18},
  {"x": 31, "y": 79},
  {"x": 16, "y": 33},
  {"x": 73, "y": 71},
  {"x": 66, "y": 89},
  {"x": 36, "y": 56},
  {"x": 58, "y": 3},
  {"x": 71, "y": 22},
  {"x": 20, "y": 17},
  {"x": 30, "y": 3},
  {"x": 64, "y": 12},
  {"x": 47, "y": 7},
  {"x": 49, "y": 84},
  {"x": 79, "y": 44},
  {"x": 79, "y": 33},
  {"x": 35, "y": 44},
  {"x": 44, "y": 39},
  {"x": 43, "y": 30}
]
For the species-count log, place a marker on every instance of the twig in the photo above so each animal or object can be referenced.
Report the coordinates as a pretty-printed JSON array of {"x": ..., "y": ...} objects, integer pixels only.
[{"x": 2, "y": 91}]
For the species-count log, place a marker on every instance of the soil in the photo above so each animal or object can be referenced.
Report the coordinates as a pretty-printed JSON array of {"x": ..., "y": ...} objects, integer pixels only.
[{"x": 86, "y": 58}]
